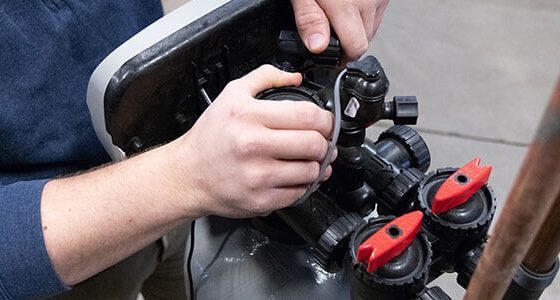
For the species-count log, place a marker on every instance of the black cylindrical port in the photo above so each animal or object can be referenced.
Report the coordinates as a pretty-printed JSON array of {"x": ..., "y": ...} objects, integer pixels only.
[
  {"x": 402, "y": 110},
  {"x": 378, "y": 171},
  {"x": 407, "y": 139},
  {"x": 528, "y": 285},
  {"x": 310, "y": 219},
  {"x": 393, "y": 166},
  {"x": 347, "y": 185},
  {"x": 324, "y": 226},
  {"x": 433, "y": 293},
  {"x": 302, "y": 224},
  {"x": 403, "y": 277},
  {"x": 460, "y": 229},
  {"x": 398, "y": 197},
  {"x": 393, "y": 151},
  {"x": 398, "y": 148},
  {"x": 525, "y": 285},
  {"x": 466, "y": 265}
]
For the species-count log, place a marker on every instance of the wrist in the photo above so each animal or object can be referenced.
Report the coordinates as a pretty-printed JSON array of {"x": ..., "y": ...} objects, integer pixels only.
[{"x": 179, "y": 175}]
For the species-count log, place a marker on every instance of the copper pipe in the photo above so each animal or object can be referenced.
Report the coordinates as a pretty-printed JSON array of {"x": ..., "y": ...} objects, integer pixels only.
[
  {"x": 528, "y": 203},
  {"x": 545, "y": 247}
]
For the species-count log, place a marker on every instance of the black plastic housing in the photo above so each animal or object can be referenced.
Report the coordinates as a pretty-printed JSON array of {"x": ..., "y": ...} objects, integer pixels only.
[{"x": 154, "y": 97}]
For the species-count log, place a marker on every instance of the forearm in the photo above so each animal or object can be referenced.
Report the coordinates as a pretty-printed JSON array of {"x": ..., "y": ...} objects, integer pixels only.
[
  {"x": 238, "y": 160},
  {"x": 96, "y": 219}
]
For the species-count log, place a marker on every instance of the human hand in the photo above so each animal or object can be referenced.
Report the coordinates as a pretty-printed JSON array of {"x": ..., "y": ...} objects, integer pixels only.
[
  {"x": 354, "y": 21},
  {"x": 249, "y": 157}
]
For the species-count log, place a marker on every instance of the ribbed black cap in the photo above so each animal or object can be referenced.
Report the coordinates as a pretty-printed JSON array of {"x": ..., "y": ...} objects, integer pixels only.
[
  {"x": 395, "y": 198},
  {"x": 413, "y": 142},
  {"x": 330, "y": 248}
]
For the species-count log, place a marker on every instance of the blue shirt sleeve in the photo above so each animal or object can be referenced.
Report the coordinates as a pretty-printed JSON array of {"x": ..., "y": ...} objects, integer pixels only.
[
  {"x": 25, "y": 268},
  {"x": 49, "y": 49}
]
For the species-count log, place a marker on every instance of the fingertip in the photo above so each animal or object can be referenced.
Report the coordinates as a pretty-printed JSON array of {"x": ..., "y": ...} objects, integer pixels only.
[
  {"x": 328, "y": 173},
  {"x": 312, "y": 24},
  {"x": 265, "y": 69},
  {"x": 357, "y": 48},
  {"x": 284, "y": 78},
  {"x": 297, "y": 78},
  {"x": 268, "y": 76},
  {"x": 334, "y": 154},
  {"x": 347, "y": 22}
]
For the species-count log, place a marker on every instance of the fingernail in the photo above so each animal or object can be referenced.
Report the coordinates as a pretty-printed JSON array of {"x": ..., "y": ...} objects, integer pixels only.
[{"x": 315, "y": 41}]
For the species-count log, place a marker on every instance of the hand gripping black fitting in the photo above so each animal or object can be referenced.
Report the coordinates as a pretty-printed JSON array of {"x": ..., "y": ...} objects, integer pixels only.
[{"x": 387, "y": 174}]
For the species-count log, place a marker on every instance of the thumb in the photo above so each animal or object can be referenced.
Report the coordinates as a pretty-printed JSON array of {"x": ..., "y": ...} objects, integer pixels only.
[
  {"x": 267, "y": 77},
  {"x": 313, "y": 25}
]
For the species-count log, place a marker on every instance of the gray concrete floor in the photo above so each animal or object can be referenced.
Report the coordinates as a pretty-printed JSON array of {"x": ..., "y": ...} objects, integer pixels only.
[{"x": 483, "y": 72}]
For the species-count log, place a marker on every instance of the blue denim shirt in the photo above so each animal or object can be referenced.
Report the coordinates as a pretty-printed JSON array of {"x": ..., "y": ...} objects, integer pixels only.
[{"x": 48, "y": 49}]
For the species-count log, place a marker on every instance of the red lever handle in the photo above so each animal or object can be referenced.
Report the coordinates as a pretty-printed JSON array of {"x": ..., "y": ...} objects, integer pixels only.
[
  {"x": 390, "y": 241},
  {"x": 460, "y": 186}
]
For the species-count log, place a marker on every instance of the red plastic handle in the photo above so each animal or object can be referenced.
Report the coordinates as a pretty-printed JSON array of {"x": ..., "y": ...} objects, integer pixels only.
[
  {"x": 390, "y": 241},
  {"x": 460, "y": 186}
]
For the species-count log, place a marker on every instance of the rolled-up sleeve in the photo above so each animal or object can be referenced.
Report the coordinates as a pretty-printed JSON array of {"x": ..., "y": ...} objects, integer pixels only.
[{"x": 25, "y": 268}]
